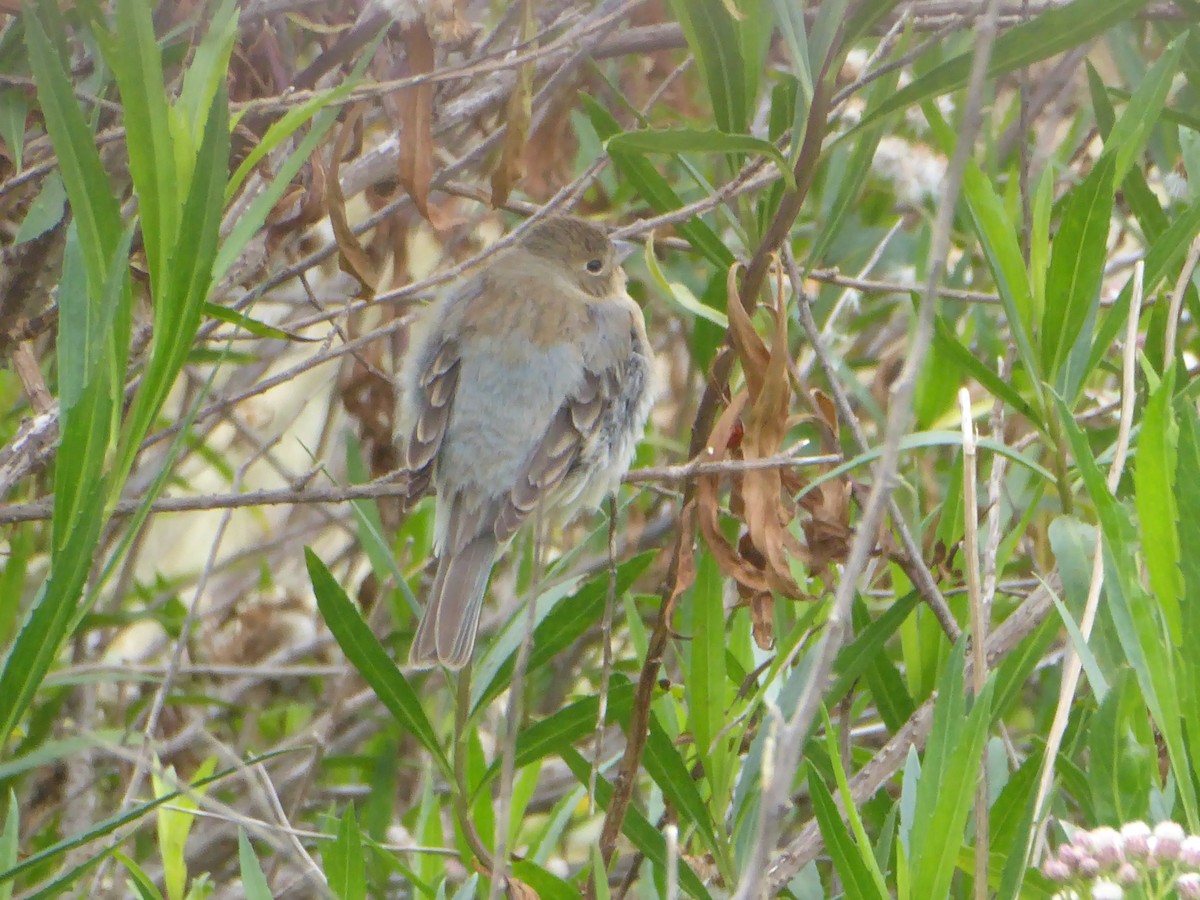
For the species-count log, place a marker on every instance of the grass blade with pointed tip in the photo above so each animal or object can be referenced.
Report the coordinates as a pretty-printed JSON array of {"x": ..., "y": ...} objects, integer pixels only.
[{"x": 367, "y": 655}]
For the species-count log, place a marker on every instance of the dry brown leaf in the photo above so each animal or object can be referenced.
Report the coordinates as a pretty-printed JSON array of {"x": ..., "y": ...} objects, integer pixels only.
[
  {"x": 509, "y": 166},
  {"x": 826, "y": 409},
  {"x": 827, "y": 530},
  {"x": 708, "y": 507},
  {"x": 762, "y": 619},
  {"x": 416, "y": 120},
  {"x": 766, "y": 511},
  {"x": 751, "y": 350},
  {"x": 519, "y": 890},
  {"x": 353, "y": 258}
]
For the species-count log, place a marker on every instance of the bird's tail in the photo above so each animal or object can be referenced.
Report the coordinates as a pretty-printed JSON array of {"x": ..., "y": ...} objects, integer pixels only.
[{"x": 446, "y": 633}]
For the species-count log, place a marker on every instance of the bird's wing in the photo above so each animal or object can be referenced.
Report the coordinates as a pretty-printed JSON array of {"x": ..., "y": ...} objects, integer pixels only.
[
  {"x": 574, "y": 425},
  {"x": 432, "y": 401}
]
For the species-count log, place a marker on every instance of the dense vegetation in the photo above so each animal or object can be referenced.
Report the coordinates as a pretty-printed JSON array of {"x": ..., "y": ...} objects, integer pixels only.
[{"x": 900, "y": 599}]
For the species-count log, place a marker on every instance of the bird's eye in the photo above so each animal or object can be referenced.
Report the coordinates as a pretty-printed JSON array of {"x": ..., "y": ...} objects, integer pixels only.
[{"x": 595, "y": 266}]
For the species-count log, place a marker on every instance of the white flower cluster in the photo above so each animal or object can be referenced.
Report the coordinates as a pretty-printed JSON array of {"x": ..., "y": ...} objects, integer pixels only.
[{"x": 1137, "y": 861}]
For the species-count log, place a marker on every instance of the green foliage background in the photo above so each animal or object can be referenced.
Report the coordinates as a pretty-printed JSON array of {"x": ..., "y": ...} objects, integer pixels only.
[{"x": 211, "y": 237}]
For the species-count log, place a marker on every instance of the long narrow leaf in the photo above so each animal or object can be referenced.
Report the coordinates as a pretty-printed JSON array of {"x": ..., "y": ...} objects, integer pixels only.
[{"x": 367, "y": 655}]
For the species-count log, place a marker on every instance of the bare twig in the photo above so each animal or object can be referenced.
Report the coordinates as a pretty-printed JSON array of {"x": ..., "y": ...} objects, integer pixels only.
[{"x": 979, "y": 628}]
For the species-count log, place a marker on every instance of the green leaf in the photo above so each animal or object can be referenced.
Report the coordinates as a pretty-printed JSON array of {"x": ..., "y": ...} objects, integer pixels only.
[
  {"x": 948, "y": 346},
  {"x": 727, "y": 54},
  {"x": 857, "y": 168},
  {"x": 253, "y": 326},
  {"x": 559, "y": 626},
  {"x": 94, "y": 209},
  {"x": 45, "y": 212},
  {"x": 1188, "y": 505},
  {"x": 1132, "y": 130},
  {"x": 367, "y": 655},
  {"x": 680, "y": 293},
  {"x": 254, "y": 882},
  {"x": 666, "y": 767},
  {"x": 343, "y": 860},
  {"x": 696, "y": 140},
  {"x": 1074, "y": 543},
  {"x": 14, "y": 110},
  {"x": 563, "y": 728},
  {"x": 856, "y": 657},
  {"x": 287, "y": 125},
  {"x": 1056, "y": 30},
  {"x": 953, "y": 756},
  {"x": 181, "y": 286},
  {"x": 883, "y": 679},
  {"x": 1154, "y": 480},
  {"x": 654, "y": 189},
  {"x": 1138, "y": 195},
  {"x": 547, "y": 885},
  {"x": 789, "y": 18},
  {"x": 854, "y": 819},
  {"x": 856, "y": 875},
  {"x": 133, "y": 54},
  {"x": 10, "y": 842},
  {"x": 1076, "y": 268},
  {"x": 706, "y": 687},
  {"x": 87, "y": 391},
  {"x": 998, "y": 239},
  {"x": 252, "y": 220},
  {"x": 208, "y": 68},
  {"x": 173, "y": 824},
  {"x": 1135, "y": 615},
  {"x": 146, "y": 888},
  {"x": 1121, "y": 756}
]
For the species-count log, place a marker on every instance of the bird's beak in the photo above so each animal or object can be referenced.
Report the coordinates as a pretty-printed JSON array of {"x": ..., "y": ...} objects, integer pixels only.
[{"x": 624, "y": 249}]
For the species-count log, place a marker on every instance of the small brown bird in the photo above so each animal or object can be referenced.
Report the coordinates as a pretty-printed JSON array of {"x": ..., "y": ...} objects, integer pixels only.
[{"x": 526, "y": 388}]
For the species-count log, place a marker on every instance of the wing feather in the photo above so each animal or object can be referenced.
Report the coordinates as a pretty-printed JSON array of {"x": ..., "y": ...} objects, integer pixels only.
[
  {"x": 432, "y": 401},
  {"x": 571, "y": 429}
]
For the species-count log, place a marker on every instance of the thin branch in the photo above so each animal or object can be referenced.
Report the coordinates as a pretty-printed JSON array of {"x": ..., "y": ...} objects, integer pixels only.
[
  {"x": 388, "y": 487},
  {"x": 979, "y": 628}
]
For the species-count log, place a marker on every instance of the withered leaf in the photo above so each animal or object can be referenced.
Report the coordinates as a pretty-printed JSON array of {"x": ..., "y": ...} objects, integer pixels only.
[
  {"x": 353, "y": 257},
  {"x": 519, "y": 890},
  {"x": 416, "y": 120},
  {"x": 708, "y": 503},
  {"x": 762, "y": 619}
]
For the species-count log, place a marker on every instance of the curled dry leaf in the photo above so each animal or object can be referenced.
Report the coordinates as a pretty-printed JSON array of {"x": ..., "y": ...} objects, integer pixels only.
[
  {"x": 762, "y": 619},
  {"x": 708, "y": 506},
  {"x": 519, "y": 890},
  {"x": 353, "y": 258},
  {"x": 754, "y": 427},
  {"x": 416, "y": 120},
  {"x": 301, "y": 205},
  {"x": 827, "y": 529},
  {"x": 764, "y": 506}
]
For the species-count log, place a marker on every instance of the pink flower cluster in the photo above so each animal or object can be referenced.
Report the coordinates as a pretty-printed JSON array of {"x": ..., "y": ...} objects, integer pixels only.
[{"x": 1137, "y": 861}]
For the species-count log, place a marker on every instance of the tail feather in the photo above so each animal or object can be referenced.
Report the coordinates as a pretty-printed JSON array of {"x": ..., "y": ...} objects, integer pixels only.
[{"x": 446, "y": 633}]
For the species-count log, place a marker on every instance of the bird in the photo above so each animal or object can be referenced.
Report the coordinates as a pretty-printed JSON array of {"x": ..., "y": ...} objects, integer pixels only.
[{"x": 523, "y": 395}]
